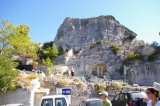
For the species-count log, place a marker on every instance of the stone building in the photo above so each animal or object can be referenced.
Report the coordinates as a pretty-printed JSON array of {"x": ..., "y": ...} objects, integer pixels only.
[
  {"x": 99, "y": 70},
  {"x": 144, "y": 74}
]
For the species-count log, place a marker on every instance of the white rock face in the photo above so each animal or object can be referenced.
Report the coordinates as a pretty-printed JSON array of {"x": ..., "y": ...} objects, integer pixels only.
[
  {"x": 79, "y": 34},
  {"x": 22, "y": 59},
  {"x": 148, "y": 50}
]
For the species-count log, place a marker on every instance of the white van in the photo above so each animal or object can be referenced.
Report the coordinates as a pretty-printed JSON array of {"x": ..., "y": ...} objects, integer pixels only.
[{"x": 53, "y": 100}]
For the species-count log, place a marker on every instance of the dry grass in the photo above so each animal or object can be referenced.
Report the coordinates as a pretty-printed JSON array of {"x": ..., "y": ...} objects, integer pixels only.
[
  {"x": 100, "y": 87},
  {"x": 27, "y": 83},
  {"x": 32, "y": 76},
  {"x": 76, "y": 79},
  {"x": 92, "y": 85},
  {"x": 64, "y": 83},
  {"x": 23, "y": 81},
  {"x": 20, "y": 78},
  {"x": 80, "y": 85}
]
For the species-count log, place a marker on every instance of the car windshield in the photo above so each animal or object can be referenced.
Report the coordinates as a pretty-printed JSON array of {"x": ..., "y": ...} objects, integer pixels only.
[
  {"x": 94, "y": 103},
  {"x": 138, "y": 95},
  {"x": 47, "y": 102}
]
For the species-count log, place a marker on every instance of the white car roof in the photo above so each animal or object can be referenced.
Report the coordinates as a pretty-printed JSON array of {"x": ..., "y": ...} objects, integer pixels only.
[
  {"x": 53, "y": 96},
  {"x": 92, "y": 99}
]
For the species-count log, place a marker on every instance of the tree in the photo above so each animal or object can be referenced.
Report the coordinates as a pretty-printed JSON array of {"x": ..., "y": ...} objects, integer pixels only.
[
  {"x": 48, "y": 50},
  {"x": 16, "y": 39},
  {"x": 21, "y": 42},
  {"x": 51, "y": 52},
  {"x": 47, "y": 44},
  {"x": 156, "y": 52},
  {"x": 48, "y": 62},
  {"x": 5, "y": 28},
  {"x": 7, "y": 72},
  {"x": 154, "y": 44},
  {"x": 60, "y": 50}
]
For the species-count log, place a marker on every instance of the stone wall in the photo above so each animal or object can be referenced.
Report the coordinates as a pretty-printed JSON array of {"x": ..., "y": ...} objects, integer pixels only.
[
  {"x": 17, "y": 96},
  {"x": 145, "y": 74},
  {"x": 37, "y": 98}
]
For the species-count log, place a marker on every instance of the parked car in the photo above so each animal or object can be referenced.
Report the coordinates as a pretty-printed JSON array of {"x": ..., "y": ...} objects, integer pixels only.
[
  {"x": 132, "y": 98},
  {"x": 21, "y": 66},
  {"x": 25, "y": 67},
  {"x": 91, "y": 102}
]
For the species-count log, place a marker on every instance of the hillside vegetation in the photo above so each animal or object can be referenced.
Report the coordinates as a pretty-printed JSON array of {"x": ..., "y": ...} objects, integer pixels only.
[{"x": 15, "y": 40}]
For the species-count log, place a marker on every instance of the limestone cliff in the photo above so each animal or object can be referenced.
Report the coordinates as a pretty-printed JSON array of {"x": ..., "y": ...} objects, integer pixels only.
[{"x": 88, "y": 42}]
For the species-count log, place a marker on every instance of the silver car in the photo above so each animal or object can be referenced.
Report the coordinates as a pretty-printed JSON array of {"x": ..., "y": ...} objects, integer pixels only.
[{"x": 91, "y": 102}]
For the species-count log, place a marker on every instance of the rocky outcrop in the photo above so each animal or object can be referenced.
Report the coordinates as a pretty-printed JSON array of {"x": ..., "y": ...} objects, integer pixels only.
[
  {"x": 88, "y": 42},
  {"x": 77, "y": 33}
]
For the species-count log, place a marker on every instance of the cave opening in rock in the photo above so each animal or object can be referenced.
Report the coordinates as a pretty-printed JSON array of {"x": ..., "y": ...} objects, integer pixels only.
[{"x": 99, "y": 70}]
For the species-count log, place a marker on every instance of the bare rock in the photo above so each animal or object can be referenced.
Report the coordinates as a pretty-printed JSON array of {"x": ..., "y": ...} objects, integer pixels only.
[{"x": 90, "y": 40}]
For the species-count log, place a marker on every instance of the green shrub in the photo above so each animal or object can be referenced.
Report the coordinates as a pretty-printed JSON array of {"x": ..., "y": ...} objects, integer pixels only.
[
  {"x": 35, "y": 63},
  {"x": 7, "y": 71},
  {"x": 115, "y": 47},
  {"x": 133, "y": 55},
  {"x": 100, "y": 87},
  {"x": 93, "y": 44},
  {"x": 156, "y": 53},
  {"x": 49, "y": 50},
  {"x": 108, "y": 42},
  {"x": 113, "y": 85},
  {"x": 14, "y": 85},
  {"x": 119, "y": 55},
  {"x": 152, "y": 57},
  {"x": 50, "y": 70},
  {"x": 99, "y": 42},
  {"x": 18, "y": 85},
  {"x": 60, "y": 50},
  {"x": 125, "y": 84},
  {"x": 48, "y": 62}
]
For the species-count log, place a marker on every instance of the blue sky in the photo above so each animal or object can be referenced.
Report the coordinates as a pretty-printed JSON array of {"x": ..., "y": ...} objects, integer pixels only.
[{"x": 45, "y": 16}]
